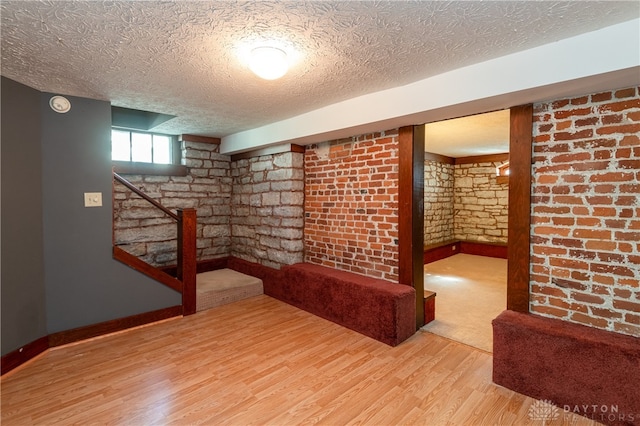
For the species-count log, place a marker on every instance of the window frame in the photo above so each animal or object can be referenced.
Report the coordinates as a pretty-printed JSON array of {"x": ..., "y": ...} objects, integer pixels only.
[{"x": 175, "y": 168}]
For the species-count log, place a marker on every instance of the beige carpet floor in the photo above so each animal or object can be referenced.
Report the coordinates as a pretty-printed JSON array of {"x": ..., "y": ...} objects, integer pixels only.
[{"x": 471, "y": 291}]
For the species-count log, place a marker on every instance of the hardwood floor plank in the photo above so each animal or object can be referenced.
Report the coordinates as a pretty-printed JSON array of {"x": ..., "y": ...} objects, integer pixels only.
[{"x": 260, "y": 361}]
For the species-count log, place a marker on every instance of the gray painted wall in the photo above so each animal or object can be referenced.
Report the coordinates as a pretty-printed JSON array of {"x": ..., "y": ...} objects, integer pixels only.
[
  {"x": 58, "y": 272},
  {"x": 84, "y": 285},
  {"x": 23, "y": 294}
]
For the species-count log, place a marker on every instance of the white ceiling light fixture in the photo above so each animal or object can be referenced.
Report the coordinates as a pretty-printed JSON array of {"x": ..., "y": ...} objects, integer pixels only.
[{"x": 269, "y": 63}]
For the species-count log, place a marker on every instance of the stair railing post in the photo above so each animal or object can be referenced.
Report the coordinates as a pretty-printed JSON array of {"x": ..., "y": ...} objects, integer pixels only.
[{"x": 187, "y": 259}]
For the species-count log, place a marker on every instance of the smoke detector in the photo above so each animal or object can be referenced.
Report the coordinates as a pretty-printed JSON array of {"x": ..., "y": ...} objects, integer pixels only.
[{"x": 60, "y": 104}]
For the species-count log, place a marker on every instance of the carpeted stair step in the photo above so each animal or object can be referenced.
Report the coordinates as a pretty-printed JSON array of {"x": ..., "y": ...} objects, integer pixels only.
[{"x": 222, "y": 286}]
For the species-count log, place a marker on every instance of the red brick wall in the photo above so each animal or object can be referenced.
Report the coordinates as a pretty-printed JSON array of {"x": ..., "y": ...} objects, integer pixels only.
[
  {"x": 585, "y": 264},
  {"x": 351, "y": 204}
]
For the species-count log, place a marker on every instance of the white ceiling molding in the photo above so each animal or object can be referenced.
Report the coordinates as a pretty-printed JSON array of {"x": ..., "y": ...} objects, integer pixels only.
[{"x": 598, "y": 60}]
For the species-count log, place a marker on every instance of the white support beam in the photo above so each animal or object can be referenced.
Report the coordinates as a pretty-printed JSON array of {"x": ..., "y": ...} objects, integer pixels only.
[{"x": 600, "y": 60}]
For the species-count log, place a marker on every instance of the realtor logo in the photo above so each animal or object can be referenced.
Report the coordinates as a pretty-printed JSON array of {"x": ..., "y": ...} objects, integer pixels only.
[{"x": 543, "y": 410}]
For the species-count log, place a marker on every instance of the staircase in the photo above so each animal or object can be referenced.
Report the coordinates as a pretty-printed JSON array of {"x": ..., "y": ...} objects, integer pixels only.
[{"x": 185, "y": 279}]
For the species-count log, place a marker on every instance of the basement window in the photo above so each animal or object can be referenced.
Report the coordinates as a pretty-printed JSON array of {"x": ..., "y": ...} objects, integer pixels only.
[{"x": 134, "y": 152}]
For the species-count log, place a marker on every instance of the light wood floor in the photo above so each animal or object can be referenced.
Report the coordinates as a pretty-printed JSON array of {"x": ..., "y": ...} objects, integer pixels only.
[{"x": 260, "y": 361}]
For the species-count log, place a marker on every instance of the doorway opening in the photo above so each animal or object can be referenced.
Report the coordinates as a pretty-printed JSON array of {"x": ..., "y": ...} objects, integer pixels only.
[{"x": 466, "y": 214}]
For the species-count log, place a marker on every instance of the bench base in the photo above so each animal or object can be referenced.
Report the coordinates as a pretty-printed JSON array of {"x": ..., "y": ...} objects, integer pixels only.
[{"x": 429, "y": 306}]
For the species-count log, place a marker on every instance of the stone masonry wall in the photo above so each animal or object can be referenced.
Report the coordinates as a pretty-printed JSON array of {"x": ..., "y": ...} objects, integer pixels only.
[
  {"x": 267, "y": 221},
  {"x": 351, "y": 204},
  {"x": 146, "y": 232},
  {"x": 481, "y": 204},
  {"x": 585, "y": 234},
  {"x": 438, "y": 202}
]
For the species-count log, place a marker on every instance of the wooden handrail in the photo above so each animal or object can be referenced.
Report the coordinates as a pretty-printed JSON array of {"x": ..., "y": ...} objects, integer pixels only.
[
  {"x": 149, "y": 270},
  {"x": 138, "y": 192},
  {"x": 186, "y": 270}
]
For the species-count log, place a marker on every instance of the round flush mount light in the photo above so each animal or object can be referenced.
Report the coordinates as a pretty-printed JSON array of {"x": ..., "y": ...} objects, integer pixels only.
[
  {"x": 269, "y": 63},
  {"x": 60, "y": 104}
]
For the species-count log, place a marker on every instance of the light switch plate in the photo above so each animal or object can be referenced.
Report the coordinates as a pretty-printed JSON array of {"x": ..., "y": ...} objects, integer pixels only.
[{"x": 93, "y": 199}]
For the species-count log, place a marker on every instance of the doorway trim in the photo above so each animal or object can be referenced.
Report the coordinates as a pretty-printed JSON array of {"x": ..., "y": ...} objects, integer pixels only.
[
  {"x": 411, "y": 213},
  {"x": 519, "y": 225},
  {"x": 411, "y": 210}
]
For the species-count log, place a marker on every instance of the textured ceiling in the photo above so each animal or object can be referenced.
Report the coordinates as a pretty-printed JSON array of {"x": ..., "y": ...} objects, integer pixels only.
[
  {"x": 184, "y": 58},
  {"x": 473, "y": 135}
]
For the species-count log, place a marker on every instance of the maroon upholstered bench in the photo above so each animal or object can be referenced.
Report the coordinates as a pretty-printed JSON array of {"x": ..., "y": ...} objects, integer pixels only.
[
  {"x": 377, "y": 308},
  {"x": 587, "y": 371}
]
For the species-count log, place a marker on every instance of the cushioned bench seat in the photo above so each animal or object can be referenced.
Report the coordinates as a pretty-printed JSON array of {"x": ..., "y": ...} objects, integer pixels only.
[
  {"x": 222, "y": 286},
  {"x": 584, "y": 370},
  {"x": 377, "y": 308}
]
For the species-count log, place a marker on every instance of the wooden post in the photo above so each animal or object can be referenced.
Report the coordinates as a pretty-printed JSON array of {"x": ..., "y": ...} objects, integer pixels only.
[
  {"x": 187, "y": 259},
  {"x": 519, "y": 208},
  {"x": 411, "y": 213}
]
